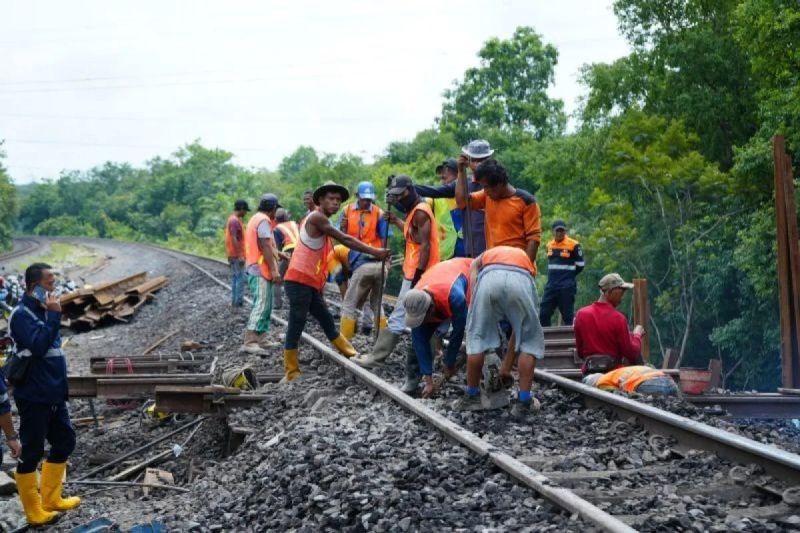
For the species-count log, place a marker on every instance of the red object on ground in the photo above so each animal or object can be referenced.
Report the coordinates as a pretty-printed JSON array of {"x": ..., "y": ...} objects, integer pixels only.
[{"x": 694, "y": 380}]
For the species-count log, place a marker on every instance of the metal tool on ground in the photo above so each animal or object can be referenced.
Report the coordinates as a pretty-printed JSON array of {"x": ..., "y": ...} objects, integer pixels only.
[{"x": 494, "y": 394}]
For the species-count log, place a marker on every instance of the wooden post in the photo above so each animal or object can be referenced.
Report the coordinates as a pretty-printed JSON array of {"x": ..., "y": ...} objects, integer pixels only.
[
  {"x": 788, "y": 265},
  {"x": 641, "y": 314}
]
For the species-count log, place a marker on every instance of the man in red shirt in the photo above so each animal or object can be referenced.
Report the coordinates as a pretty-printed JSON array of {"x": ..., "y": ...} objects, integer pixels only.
[
  {"x": 601, "y": 332},
  {"x": 234, "y": 246}
]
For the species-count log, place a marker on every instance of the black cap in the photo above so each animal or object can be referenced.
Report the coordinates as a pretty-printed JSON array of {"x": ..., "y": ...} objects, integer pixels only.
[
  {"x": 399, "y": 184},
  {"x": 447, "y": 163},
  {"x": 559, "y": 224},
  {"x": 241, "y": 205},
  {"x": 268, "y": 202}
]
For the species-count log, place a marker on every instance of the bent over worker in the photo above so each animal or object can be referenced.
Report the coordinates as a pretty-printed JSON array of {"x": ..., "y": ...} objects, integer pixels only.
[
  {"x": 564, "y": 263},
  {"x": 601, "y": 332},
  {"x": 262, "y": 274},
  {"x": 308, "y": 272},
  {"x": 364, "y": 273},
  {"x": 286, "y": 233},
  {"x": 505, "y": 289},
  {"x": 421, "y": 253},
  {"x": 41, "y": 398},
  {"x": 234, "y": 246},
  {"x": 442, "y": 295},
  {"x": 636, "y": 378}
]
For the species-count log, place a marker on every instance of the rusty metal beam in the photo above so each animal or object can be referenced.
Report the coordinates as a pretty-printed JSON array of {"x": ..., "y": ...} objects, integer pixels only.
[
  {"x": 148, "y": 367},
  {"x": 211, "y": 399},
  {"x": 141, "y": 386},
  {"x": 641, "y": 313}
]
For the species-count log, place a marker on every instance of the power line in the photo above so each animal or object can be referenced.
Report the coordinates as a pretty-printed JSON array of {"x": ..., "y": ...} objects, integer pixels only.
[
  {"x": 115, "y": 145},
  {"x": 194, "y": 119}
]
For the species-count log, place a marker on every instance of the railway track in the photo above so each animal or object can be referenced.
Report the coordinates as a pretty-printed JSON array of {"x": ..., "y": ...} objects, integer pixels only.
[
  {"x": 22, "y": 246},
  {"x": 644, "y": 466}
]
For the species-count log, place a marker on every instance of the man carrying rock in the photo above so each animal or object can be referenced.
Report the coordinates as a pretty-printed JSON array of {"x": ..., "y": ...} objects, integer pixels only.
[
  {"x": 421, "y": 253},
  {"x": 308, "y": 272},
  {"x": 505, "y": 289},
  {"x": 262, "y": 273},
  {"x": 41, "y": 398},
  {"x": 637, "y": 378},
  {"x": 601, "y": 332},
  {"x": 442, "y": 295},
  {"x": 234, "y": 246}
]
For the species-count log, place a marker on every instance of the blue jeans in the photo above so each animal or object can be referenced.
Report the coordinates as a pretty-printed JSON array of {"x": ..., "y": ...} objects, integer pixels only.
[
  {"x": 661, "y": 385},
  {"x": 237, "y": 281}
]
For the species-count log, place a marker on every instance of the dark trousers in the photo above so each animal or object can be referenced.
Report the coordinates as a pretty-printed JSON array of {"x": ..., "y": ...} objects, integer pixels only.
[
  {"x": 302, "y": 301},
  {"x": 563, "y": 299},
  {"x": 40, "y": 421}
]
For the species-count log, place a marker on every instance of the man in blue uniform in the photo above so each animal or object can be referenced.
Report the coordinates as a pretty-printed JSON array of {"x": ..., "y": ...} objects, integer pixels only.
[
  {"x": 41, "y": 398},
  {"x": 564, "y": 262}
]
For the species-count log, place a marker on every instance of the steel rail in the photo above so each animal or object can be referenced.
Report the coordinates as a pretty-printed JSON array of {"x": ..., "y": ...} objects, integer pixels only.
[
  {"x": 561, "y": 497},
  {"x": 33, "y": 244},
  {"x": 690, "y": 433}
]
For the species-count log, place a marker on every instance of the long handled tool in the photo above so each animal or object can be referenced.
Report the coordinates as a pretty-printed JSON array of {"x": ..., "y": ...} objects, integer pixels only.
[
  {"x": 466, "y": 223},
  {"x": 379, "y": 310}
]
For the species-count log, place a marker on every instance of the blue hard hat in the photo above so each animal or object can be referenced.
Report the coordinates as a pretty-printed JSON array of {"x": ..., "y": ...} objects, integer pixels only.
[{"x": 366, "y": 190}]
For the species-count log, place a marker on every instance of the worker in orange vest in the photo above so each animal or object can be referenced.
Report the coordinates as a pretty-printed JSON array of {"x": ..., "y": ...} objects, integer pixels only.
[
  {"x": 505, "y": 289},
  {"x": 441, "y": 296},
  {"x": 234, "y": 247},
  {"x": 636, "y": 378},
  {"x": 365, "y": 221},
  {"x": 262, "y": 273},
  {"x": 286, "y": 234},
  {"x": 308, "y": 272},
  {"x": 421, "y": 253}
]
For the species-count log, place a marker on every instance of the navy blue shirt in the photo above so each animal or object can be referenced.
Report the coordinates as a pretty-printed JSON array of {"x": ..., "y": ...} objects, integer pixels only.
[
  {"x": 421, "y": 336},
  {"x": 41, "y": 334},
  {"x": 477, "y": 217},
  {"x": 5, "y": 404}
]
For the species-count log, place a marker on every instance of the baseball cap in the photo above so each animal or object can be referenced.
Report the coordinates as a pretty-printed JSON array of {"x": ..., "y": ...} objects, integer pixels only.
[
  {"x": 399, "y": 184},
  {"x": 268, "y": 202},
  {"x": 449, "y": 163},
  {"x": 559, "y": 224},
  {"x": 612, "y": 281},
  {"x": 591, "y": 379},
  {"x": 366, "y": 190},
  {"x": 416, "y": 304},
  {"x": 478, "y": 149},
  {"x": 241, "y": 205}
]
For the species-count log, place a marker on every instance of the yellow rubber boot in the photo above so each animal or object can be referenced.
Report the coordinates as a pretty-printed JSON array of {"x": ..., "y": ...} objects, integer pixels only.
[
  {"x": 344, "y": 346},
  {"x": 347, "y": 328},
  {"x": 291, "y": 365},
  {"x": 52, "y": 483},
  {"x": 383, "y": 323},
  {"x": 28, "y": 488}
]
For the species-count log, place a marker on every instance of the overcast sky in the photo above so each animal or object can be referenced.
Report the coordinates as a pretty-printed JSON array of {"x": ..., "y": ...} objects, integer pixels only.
[{"x": 83, "y": 82}]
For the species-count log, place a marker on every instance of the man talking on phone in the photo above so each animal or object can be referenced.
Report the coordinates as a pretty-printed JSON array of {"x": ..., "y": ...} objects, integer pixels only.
[{"x": 41, "y": 398}]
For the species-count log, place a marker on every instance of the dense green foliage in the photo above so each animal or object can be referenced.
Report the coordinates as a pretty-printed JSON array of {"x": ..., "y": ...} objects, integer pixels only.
[
  {"x": 8, "y": 205},
  {"x": 668, "y": 175}
]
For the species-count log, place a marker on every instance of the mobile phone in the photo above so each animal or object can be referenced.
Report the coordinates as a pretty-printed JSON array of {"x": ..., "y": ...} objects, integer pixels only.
[{"x": 40, "y": 294}]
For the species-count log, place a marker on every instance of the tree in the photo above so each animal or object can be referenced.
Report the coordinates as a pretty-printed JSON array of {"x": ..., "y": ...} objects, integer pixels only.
[
  {"x": 685, "y": 65},
  {"x": 507, "y": 92},
  {"x": 8, "y": 205}
]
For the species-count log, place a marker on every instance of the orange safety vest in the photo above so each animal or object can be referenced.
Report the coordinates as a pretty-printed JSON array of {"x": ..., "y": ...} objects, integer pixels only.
[
  {"x": 309, "y": 266},
  {"x": 411, "y": 260},
  {"x": 628, "y": 378},
  {"x": 363, "y": 225},
  {"x": 233, "y": 249},
  {"x": 439, "y": 280},
  {"x": 252, "y": 253},
  {"x": 508, "y": 255},
  {"x": 291, "y": 234}
]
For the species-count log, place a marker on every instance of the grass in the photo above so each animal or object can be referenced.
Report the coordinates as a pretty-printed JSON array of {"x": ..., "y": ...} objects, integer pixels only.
[{"x": 61, "y": 256}]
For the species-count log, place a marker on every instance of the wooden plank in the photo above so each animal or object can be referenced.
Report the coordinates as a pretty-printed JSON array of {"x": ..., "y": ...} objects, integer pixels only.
[
  {"x": 784, "y": 283},
  {"x": 794, "y": 266},
  {"x": 641, "y": 314}
]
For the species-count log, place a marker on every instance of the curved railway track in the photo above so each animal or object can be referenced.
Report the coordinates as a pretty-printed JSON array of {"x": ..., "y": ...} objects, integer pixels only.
[
  {"x": 22, "y": 246},
  {"x": 722, "y": 474}
]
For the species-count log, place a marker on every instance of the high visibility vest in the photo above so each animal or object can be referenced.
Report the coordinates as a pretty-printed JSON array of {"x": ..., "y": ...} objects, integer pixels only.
[
  {"x": 363, "y": 225},
  {"x": 252, "y": 252},
  {"x": 291, "y": 234},
  {"x": 442, "y": 208},
  {"x": 309, "y": 266},
  {"x": 508, "y": 255},
  {"x": 232, "y": 248},
  {"x": 411, "y": 260},
  {"x": 438, "y": 281},
  {"x": 628, "y": 378}
]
